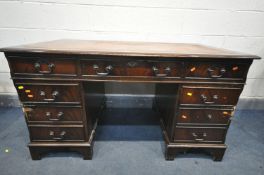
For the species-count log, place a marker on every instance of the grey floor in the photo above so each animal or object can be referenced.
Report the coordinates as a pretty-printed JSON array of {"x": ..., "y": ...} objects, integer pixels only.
[{"x": 133, "y": 149}]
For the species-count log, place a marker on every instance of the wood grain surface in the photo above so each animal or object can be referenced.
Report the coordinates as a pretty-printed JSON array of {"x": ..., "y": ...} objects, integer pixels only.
[{"x": 126, "y": 48}]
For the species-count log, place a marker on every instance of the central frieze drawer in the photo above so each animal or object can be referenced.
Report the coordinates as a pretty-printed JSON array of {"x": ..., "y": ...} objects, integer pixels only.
[
  {"x": 57, "y": 133},
  {"x": 209, "y": 95},
  {"x": 131, "y": 68},
  {"x": 199, "y": 134},
  {"x": 53, "y": 114},
  {"x": 42, "y": 67},
  {"x": 48, "y": 92},
  {"x": 204, "y": 116}
]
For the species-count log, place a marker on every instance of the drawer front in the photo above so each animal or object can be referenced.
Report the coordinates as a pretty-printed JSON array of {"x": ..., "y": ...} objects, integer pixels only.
[
  {"x": 56, "y": 133},
  {"x": 48, "y": 92},
  {"x": 102, "y": 68},
  {"x": 199, "y": 135},
  {"x": 43, "y": 67},
  {"x": 209, "y": 95},
  {"x": 212, "y": 70},
  {"x": 131, "y": 68},
  {"x": 193, "y": 116},
  {"x": 53, "y": 114}
]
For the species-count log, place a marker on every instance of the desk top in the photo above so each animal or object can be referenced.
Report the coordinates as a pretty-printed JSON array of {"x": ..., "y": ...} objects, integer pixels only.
[{"x": 125, "y": 48}]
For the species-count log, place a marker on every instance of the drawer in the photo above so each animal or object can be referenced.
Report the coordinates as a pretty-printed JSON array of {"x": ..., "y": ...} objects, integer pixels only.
[
  {"x": 48, "y": 92},
  {"x": 53, "y": 114},
  {"x": 199, "y": 134},
  {"x": 131, "y": 68},
  {"x": 205, "y": 116},
  {"x": 57, "y": 133},
  {"x": 42, "y": 67},
  {"x": 195, "y": 95},
  {"x": 216, "y": 70}
]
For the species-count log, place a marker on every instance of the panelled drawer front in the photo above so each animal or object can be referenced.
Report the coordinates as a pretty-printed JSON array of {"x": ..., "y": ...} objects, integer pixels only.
[
  {"x": 53, "y": 114},
  {"x": 212, "y": 70},
  {"x": 131, "y": 68},
  {"x": 192, "y": 116},
  {"x": 209, "y": 95},
  {"x": 57, "y": 133},
  {"x": 48, "y": 92},
  {"x": 43, "y": 67},
  {"x": 199, "y": 135}
]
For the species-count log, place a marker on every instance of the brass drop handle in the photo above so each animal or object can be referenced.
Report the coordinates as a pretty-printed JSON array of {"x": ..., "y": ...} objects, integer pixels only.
[
  {"x": 197, "y": 138},
  {"x": 108, "y": 70},
  {"x": 156, "y": 71},
  {"x": 59, "y": 137},
  {"x": 211, "y": 71},
  {"x": 205, "y": 99},
  {"x": 54, "y": 94},
  {"x": 59, "y": 115},
  {"x": 51, "y": 67}
]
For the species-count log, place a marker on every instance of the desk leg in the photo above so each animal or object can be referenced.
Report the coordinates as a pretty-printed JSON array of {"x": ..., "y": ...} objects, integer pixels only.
[
  {"x": 215, "y": 150},
  {"x": 37, "y": 152},
  {"x": 169, "y": 153}
]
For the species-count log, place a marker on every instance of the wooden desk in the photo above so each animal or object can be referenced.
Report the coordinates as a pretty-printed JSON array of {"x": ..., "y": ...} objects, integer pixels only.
[{"x": 197, "y": 89}]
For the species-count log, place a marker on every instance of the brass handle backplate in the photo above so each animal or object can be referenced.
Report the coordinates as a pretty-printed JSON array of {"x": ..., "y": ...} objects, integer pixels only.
[
  {"x": 156, "y": 71},
  {"x": 54, "y": 94},
  {"x": 212, "y": 75},
  {"x": 58, "y": 116},
  {"x": 51, "y": 67},
  {"x": 199, "y": 137},
  {"x": 205, "y": 99},
  {"x": 54, "y": 136},
  {"x": 108, "y": 70}
]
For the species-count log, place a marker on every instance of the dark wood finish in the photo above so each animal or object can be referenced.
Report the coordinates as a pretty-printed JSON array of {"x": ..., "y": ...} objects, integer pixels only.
[
  {"x": 215, "y": 95},
  {"x": 124, "y": 48},
  {"x": 48, "y": 92},
  {"x": 216, "y": 152},
  {"x": 166, "y": 103},
  {"x": 58, "y": 114},
  {"x": 199, "y": 134},
  {"x": 94, "y": 101},
  {"x": 38, "y": 152},
  {"x": 173, "y": 149},
  {"x": 61, "y": 87},
  {"x": 42, "y": 67},
  {"x": 56, "y": 133},
  {"x": 204, "y": 116},
  {"x": 132, "y": 68},
  {"x": 216, "y": 70}
]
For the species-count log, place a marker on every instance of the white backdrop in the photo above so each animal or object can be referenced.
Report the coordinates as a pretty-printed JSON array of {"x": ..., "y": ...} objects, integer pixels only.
[{"x": 231, "y": 24}]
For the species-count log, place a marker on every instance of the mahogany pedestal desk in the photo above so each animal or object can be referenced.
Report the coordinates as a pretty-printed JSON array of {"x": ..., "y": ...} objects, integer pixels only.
[{"x": 61, "y": 87}]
